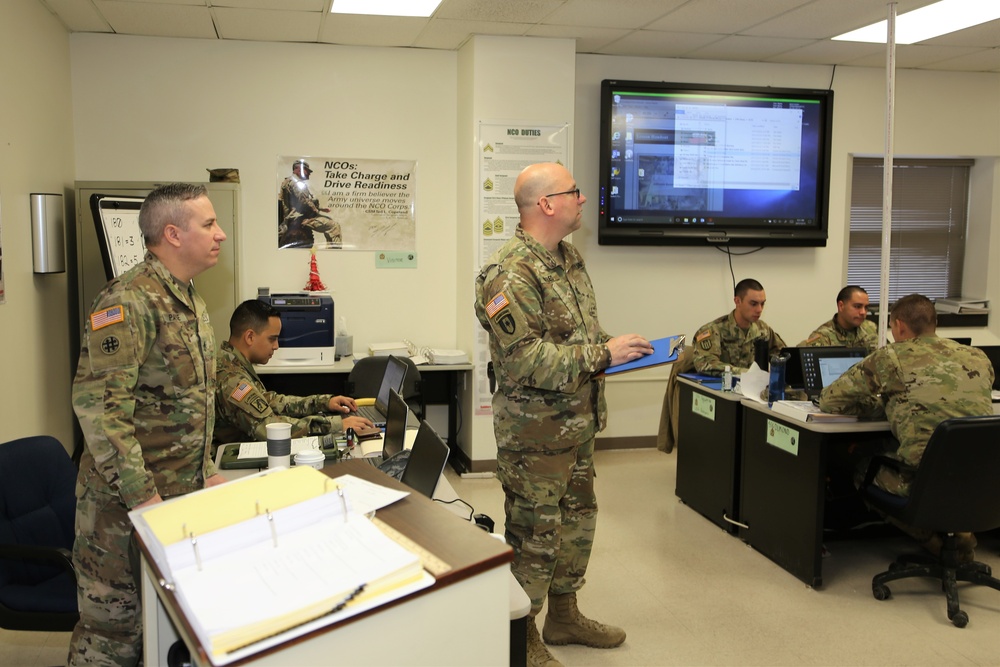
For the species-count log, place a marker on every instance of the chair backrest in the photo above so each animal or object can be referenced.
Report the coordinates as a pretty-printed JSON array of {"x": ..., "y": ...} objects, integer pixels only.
[
  {"x": 366, "y": 376},
  {"x": 955, "y": 488},
  {"x": 37, "y": 493}
]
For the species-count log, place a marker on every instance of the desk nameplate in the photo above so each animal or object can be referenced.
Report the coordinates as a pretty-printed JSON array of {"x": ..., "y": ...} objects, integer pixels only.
[
  {"x": 783, "y": 437},
  {"x": 703, "y": 405}
]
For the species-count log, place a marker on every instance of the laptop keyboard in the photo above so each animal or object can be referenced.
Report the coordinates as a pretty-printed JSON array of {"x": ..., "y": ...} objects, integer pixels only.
[{"x": 371, "y": 413}]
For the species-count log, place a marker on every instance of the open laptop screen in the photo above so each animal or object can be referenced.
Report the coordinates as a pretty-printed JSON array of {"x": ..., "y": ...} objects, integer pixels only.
[
  {"x": 395, "y": 372},
  {"x": 395, "y": 425},
  {"x": 427, "y": 460},
  {"x": 823, "y": 365}
]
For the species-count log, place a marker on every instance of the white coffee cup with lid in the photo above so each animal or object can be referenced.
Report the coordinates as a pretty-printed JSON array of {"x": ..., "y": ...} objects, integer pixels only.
[{"x": 310, "y": 457}]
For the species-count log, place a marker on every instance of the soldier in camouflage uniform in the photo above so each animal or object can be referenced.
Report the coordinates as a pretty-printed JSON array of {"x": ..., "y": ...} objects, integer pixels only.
[
  {"x": 916, "y": 383},
  {"x": 729, "y": 340},
  {"x": 535, "y": 299},
  {"x": 144, "y": 395},
  {"x": 850, "y": 326},
  {"x": 244, "y": 407},
  {"x": 301, "y": 214}
]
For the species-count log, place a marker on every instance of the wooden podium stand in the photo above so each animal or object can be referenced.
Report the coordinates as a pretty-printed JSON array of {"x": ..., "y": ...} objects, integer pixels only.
[{"x": 462, "y": 619}]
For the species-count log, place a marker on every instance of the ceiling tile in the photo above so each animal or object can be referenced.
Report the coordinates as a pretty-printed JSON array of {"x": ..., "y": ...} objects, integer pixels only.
[
  {"x": 826, "y": 52},
  {"x": 78, "y": 16},
  {"x": 362, "y": 30},
  {"x": 745, "y": 48},
  {"x": 158, "y": 20},
  {"x": 722, "y": 16},
  {"x": 504, "y": 11},
  {"x": 656, "y": 44},
  {"x": 267, "y": 25},
  {"x": 913, "y": 55},
  {"x": 290, "y": 5},
  {"x": 601, "y": 13},
  {"x": 979, "y": 61}
]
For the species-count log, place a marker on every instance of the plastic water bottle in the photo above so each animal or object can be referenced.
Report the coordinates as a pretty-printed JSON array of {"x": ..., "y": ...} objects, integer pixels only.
[
  {"x": 727, "y": 379},
  {"x": 776, "y": 379}
]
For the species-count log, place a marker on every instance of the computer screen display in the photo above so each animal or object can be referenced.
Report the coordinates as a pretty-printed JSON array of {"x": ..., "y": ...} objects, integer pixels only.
[{"x": 823, "y": 365}]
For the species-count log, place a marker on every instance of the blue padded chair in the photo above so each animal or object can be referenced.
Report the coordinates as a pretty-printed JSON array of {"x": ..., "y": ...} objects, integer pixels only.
[
  {"x": 954, "y": 490},
  {"x": 37, "y": 513}
]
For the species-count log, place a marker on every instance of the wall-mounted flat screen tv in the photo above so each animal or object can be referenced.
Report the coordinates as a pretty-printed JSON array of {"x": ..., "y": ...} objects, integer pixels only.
[{"x": 686, "y": 164}]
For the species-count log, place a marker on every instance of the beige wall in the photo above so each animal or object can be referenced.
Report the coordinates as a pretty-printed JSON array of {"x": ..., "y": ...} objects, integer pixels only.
[
  {"x": 152, "y": 109},
  {"x": 36, "y": 155}
]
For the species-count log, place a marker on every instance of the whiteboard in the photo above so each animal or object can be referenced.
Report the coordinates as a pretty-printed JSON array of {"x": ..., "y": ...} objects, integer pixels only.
[{"x": 117, "y": 221}]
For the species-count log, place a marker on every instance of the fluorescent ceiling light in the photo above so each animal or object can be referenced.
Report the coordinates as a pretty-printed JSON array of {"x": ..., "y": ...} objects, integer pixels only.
[
  {"x": 422, "y": 8},
  {"x": 930, "y": 21}
]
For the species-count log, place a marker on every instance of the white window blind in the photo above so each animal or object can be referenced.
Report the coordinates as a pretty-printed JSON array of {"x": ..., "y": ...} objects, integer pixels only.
[{"x": 929, "y": 218}]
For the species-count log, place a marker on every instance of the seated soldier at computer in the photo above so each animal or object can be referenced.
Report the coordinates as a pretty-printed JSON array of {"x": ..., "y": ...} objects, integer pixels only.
[
  {"x": 729, "y": 340},
  {"x": 244, "y": 408},
  {"x": 850, "y": 325}
]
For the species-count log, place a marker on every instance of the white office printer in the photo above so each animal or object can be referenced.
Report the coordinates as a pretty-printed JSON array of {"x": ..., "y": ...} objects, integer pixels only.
[{"x": 307, "y": 337}]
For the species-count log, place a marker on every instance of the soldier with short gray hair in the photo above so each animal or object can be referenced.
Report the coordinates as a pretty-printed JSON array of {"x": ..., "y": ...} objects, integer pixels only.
[
  {"x": 537, "y": 303},
  {"x": 144, "y": 395},
  {"x": 915, "y": 383}
]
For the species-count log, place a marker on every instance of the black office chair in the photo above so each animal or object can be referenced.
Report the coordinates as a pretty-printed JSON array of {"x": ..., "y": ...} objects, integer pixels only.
[
  {"x": 366, "y": 376},
  {"x": 37, "y": 512},
  {"x": 954, "y": 490}
]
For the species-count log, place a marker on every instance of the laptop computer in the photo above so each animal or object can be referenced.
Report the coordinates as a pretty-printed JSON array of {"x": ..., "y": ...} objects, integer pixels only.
[
  {"x": 394, "y": 435},
  {"x": 993, "y": 354},
  {"x": 823, "y": 365},
  {"x": 392, "y": 378},
  {"x": 427, "y": 460}
]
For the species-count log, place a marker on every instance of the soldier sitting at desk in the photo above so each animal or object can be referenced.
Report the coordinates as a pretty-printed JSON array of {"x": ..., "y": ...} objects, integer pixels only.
[
  {"x": 850, "y": 325},
  {"x": 915, "y": 383},
  {"x": 729, "y": 340},
  {"x": 244, "y": 408}
]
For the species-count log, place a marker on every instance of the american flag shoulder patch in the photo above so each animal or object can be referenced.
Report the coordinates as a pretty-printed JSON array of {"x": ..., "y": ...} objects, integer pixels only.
[
  {"x": 107, "y": 317},
  {"x": 241, "y": 391},
  {"x": 496, "y": 304}
]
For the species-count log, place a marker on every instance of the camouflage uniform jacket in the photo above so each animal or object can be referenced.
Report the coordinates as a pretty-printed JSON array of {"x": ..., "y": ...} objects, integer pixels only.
[
  {"x": 722, "y": 342},
  {"x": 831, "y": 334},
  {"x": 297, "y": 201},
  {"x": 244, "y": 407},
  {"x": 546, "y": 343},
  {"x": 915, "y": 384},
  {"x": 144, "y": 390}
]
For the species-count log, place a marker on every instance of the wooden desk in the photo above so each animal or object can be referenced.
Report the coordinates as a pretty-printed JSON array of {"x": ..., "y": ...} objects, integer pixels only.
[
  {"x": 709, "y": 437},
  {"x": 439, "y": 386},
  {"x": 784, "y": 470},
  {"x": 462, "y": 619}
]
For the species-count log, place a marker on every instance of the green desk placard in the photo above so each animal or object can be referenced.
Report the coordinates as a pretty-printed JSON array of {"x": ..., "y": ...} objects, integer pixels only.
[
  {"x": 703, "y": 405},
  {"x": 783, "y": 437},
  {"x": 392, "y": 259}
]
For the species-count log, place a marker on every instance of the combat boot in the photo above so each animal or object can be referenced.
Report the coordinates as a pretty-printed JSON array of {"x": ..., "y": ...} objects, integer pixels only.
[
  {"x": 564, "y": 624},
  {"x": 538, "y": 653}
]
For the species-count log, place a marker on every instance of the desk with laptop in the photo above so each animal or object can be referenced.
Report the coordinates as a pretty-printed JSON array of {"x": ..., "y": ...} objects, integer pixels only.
[{"x": 763, "y": 475}]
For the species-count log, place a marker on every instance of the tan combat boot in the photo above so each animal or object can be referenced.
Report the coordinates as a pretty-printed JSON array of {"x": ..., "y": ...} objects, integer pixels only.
[
  {"x": 564, "y": 624},
  {"x": 538, "y": 653}
]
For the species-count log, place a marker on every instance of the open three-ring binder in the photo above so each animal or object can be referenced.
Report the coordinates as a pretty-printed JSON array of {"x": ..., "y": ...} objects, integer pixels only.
[{"x": 265, "y": 558}]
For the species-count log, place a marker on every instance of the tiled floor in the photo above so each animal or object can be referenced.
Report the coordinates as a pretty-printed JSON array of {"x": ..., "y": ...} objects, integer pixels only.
[{"x": 690, "y": 594}]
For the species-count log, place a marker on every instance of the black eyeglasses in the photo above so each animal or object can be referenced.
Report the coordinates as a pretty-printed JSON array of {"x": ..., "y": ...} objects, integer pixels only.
[{"x": 575, "y": 192}]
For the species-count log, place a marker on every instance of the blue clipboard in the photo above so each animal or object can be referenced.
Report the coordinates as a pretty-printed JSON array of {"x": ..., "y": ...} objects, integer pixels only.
[{"x": 665, "y": 351}]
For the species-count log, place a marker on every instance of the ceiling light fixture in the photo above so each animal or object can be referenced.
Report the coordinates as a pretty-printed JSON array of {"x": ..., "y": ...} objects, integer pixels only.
[
  {"x": 927, "y": 22},
  {"x": 422, "y": 8}
]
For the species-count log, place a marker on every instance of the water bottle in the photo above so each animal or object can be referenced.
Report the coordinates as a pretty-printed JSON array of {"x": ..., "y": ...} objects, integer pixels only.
[
  {"x": 727, "y": 378},
  {"x": 776, "y": 379}
]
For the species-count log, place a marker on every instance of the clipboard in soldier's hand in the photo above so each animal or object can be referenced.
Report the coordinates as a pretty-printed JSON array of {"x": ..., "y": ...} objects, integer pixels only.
[{"x": 665, "y": 351}]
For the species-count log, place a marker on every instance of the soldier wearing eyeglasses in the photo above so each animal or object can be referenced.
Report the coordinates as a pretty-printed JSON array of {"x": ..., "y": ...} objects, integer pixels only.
[{"x": 536, "y": 300}]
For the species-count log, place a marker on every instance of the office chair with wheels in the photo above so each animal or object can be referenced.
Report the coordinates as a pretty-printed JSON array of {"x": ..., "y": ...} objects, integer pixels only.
[
  {"x": 37, "y": 513},
  {"x": 366, "y": 376},
  {"x": 954, "y": 490}
]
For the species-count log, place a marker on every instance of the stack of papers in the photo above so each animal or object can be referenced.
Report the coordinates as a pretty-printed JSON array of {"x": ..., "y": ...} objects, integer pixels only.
[
  {"x": 962, "y": 305},
  {"x": 395, "y": 348}
]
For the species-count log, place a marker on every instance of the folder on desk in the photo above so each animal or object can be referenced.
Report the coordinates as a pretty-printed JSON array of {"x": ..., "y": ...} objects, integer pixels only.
[
  {"x": 665, "y": 351},
  {"x": 266, "y": 558}
]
